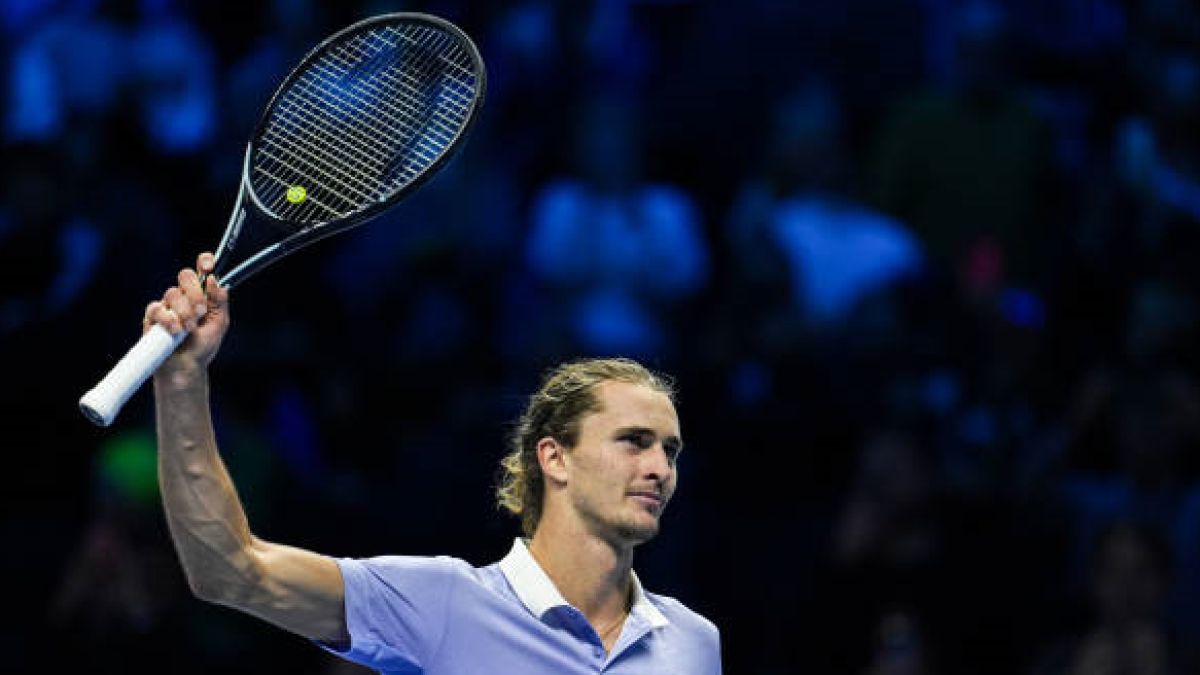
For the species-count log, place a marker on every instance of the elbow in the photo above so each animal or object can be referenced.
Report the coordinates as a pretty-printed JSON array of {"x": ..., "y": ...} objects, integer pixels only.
[
  {"x": 231, "y": 584},
  {"x": 221, "y": 592},
  {"x": 203, "y": 588}
]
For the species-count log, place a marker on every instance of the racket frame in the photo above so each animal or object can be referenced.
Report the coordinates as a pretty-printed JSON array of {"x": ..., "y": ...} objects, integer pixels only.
[
  {"x": 102, "y": 403},
  {"x": 314, "y": 232}
]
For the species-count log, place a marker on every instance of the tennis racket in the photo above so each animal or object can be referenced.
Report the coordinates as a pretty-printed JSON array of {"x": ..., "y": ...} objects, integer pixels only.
[{"x": 365, "y": 119}]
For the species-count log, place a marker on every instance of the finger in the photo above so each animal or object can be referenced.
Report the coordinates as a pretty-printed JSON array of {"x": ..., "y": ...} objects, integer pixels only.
[
  {"x": 218, "y": 295},
  {"x": 189, "y": 283},
  {"x": 160, "y": 313},
  {"x": 206, "y": 263},
  {"x": 149, "y": 315},
  {"x": 178, "y": 303}
]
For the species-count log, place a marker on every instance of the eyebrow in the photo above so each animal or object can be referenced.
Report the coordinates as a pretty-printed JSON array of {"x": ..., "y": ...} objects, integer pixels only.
[{"x": 673, "y": 443}]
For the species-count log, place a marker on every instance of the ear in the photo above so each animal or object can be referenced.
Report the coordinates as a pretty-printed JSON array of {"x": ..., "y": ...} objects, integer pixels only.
[{"x": 552, "y": 457}]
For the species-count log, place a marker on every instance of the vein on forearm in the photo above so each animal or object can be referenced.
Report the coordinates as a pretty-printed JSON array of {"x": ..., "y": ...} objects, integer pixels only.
[{"x": 206, "y": 519}]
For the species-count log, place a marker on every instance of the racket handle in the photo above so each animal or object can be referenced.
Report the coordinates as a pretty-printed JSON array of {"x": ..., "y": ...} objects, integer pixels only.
[{"x": 104, "y": 401}]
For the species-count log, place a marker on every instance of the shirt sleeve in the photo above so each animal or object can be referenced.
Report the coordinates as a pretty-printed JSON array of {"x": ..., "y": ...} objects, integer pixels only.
[
  {"x": 396, "y": 609},
  {"x": 717, "y": 655}
]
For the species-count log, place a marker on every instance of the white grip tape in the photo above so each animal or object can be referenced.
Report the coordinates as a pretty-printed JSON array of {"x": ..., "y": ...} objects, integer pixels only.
[{"x": 105, "y": 400}]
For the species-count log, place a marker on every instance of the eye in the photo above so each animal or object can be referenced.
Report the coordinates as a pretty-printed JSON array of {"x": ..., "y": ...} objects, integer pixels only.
[{"x": 640, "y": 439}]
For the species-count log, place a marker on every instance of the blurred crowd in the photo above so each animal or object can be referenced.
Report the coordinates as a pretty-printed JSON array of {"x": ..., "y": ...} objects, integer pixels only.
[{"x": 924, "y": 270}]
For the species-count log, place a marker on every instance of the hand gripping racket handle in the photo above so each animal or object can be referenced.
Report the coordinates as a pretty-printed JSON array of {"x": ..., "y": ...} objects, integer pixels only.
[{"x": 104, "y": 401}]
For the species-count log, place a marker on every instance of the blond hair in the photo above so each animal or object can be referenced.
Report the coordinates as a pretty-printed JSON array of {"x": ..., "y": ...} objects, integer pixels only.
[{"x": 567, "y": 393}]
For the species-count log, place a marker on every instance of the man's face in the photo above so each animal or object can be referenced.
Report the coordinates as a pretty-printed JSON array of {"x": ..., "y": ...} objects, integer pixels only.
[{"x": 621, "y": 472}]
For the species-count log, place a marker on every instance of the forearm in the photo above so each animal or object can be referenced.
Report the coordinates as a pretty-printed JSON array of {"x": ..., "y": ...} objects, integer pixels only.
[
  {"x": 295, "y": 589},
  {"x": 205, "y": 517}
]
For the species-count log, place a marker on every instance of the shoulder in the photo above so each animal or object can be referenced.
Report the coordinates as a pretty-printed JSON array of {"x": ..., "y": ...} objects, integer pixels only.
[
  {"x": 686, "y": 620},
  {"x": 398, "y": 608},
  {"x": 387, "y": 570}
]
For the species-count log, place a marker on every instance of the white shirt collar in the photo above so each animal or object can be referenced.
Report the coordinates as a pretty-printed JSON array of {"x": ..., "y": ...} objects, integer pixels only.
[{"x": 538, "y": 593}]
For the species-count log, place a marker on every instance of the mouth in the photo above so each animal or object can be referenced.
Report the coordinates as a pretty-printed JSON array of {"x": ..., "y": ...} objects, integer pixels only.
[{"x": 649, "y": 499}]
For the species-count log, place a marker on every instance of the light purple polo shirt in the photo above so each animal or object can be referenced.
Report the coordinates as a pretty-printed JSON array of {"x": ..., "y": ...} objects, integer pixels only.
[{"x": 441, "y": 616}]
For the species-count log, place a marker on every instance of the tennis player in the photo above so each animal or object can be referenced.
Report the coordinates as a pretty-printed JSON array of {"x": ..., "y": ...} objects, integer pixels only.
[{"x": 590, "y": 469}]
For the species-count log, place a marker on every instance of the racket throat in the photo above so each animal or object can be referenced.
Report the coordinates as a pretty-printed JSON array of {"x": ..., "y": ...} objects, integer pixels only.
[
  {"x": 237, "y": 220},
  {"x": 229, "y": 241}
]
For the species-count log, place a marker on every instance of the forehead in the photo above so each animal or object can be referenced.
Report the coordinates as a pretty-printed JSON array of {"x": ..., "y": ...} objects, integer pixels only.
[{"x": 623, "y": 404}]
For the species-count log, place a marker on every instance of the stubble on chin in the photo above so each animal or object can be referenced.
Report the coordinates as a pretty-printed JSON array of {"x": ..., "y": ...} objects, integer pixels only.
[
  {"x": 636, "y": 532},
  {"x": 622, "y": 527}
]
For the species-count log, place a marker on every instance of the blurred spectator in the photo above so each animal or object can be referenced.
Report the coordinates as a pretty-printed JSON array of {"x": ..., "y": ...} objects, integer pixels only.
[
  {"x": 888, "y": 518},
  {"x": 173, "y": 79},
  {"x": 50, "y": 252},
  {"x": 967, "y": 164},
  {"x": 16, "y": 16},
  {"x": 833, "y": 250},
  {"x": 1160, "y": 321},
  {"x": 1072, "y": 26},
  {"x": 79, "y": 66},
  {"x": 616, "y": 48},
  {"x": 900, "y": 647},
  {"x": 70, "y": 67},
  {"x": 294, "y": 27},
  {"x": 121, "y": 585},
  {"x": 619, "y": 253},
  {"x": 889, "y": 552},
  {"x": 1127, "y": 449},
  {"x": 1127, "y": 633},
  {"x": 1157, "y": 148}
]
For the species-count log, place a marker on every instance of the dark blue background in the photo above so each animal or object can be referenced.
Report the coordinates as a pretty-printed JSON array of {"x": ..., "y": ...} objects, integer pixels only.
[{"x": 924, "y": 271}]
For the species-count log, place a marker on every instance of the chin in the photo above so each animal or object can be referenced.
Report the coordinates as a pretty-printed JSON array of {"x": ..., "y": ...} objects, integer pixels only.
[{"x": 637, "y": 533}]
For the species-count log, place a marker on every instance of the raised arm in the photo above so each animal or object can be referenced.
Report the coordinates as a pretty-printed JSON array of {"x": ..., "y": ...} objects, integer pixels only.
[{"x": 295, "y": 589}]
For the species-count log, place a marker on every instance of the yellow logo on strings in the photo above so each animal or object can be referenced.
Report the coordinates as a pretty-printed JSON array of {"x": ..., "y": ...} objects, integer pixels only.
[{"x": 297, "y": 194}]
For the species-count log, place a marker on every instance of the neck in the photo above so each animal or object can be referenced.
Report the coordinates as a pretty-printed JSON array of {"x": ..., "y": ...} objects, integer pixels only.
[{"x": 591, "y": 573}]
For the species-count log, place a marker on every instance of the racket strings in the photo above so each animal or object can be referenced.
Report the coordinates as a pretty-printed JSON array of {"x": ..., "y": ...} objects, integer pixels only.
[
  {"x": 413, "y": 83},
  {"x": 316, "y": 119},
  {"x": 410, "y": 117},
  {"x": 385, "y": 89},
  {"x": 421, "y": 149},
  {"x": 311, "y": 124},
  {"x": 365, "y": 119},
  {"x": 365, "y": 131}
]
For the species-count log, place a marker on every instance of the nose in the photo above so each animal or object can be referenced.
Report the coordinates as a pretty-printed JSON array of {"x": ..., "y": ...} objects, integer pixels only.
[{"x": 658, "y": 466}]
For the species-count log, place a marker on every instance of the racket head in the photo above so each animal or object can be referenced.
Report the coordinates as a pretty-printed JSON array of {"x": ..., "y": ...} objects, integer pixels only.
[{"x": 367, "y": 117}]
